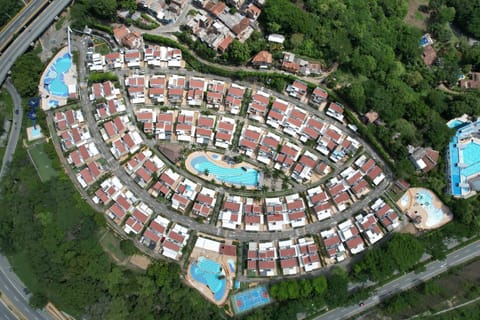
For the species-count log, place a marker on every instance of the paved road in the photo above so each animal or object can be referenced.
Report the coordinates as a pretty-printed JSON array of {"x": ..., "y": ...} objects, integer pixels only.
[
  {"x": 12, "y": 286},
  {"x": 407, "y": 281},
  {"x": 240, "y": 235},
  {"x": 30, "y": 34},
  {"x": 20, "y": 20},
  {"x": 5, "y": 313},
  {"x": 14, "y": 129}
]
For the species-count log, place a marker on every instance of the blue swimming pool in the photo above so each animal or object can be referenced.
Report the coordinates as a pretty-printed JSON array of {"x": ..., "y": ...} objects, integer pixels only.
[
  {"x": 240, "y": 176},
  {"x": 250, "y": 299},
  {"x": 53, "y": 80},
  {"x": 434, "y": 214},
  {"x": 231, "y": 264},
  {"x": 455, "y": 123},
  {"x": 209, "y": 273}
]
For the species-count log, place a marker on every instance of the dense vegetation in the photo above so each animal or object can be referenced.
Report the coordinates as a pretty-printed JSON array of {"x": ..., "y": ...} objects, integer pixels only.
[
  {"x": 88, "y": 12},
  {"x": 55, "y": 231},
  {"x": 467, "y": 14},
  {"x": 9, "y": 9},
  {"x": 26, "y": 72}
]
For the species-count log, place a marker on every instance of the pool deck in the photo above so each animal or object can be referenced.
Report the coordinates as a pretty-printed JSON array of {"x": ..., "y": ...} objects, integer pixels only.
[
  {"x": 220, "y": 163},
  {"x": 220, "y": 259},
  {"x": 413, "y": 209},
  {"x": 70, "y": 78}
]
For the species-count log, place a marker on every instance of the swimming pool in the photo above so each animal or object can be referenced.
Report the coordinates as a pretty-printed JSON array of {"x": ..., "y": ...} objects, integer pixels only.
[
  {"x": 209, "y": 273},
  {"x": 53, "y": 80},
  {"x": 434, "y": 215},
  {"x": 242, "y": 176},
  {"x": 454, "y": 123},
  {"x": 231, "y": 264}
]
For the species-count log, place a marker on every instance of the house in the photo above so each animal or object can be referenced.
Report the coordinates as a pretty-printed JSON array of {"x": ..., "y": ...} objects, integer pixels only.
[
  {"x": 308, "y": 254},
  {"x": 204, "y": 132},
  {"x": 429, "y": 55},
  {"x": 278, "y": 113},
  {"x": 268, "y": 148},
  {"x": 319, "y": 96},
  {"x": 114, "y": 60},
  {"x": 184, "y": 195},
  {"x": 276, "y": 213},
  {"x": 257, "y": 109},
  {"x": 333, "y": 245},
  {"x": 335, "y": 110},
  {"x": 133, "y": 58},
  {"x": 164, "y": 125},
  {"x": 155, "y": 232},
  {"x": 367, "y": 224},
  {"x": 293, "y": 124},
  {"x": 303, "y": 170},
  {"x": 424, "y": 159},
  {"x": 472, "y": 83},
  {"x": 185, "y": 128},
  {"x": 350, "y": 235},
  {"x": 262, "y": 60},
  {"x": 196, "y": 87},
  {"x": 233, "y": 100},
  {"x": 253, "y": 12},
  {"x": 267, "y": 256},
  {"x": 174, "y": 242},
  {"x": 288, "y": 257},
  {"x": 289, "y": 64},
  {"x": 123, "y": 36},
  {"x": 249, "y": 140},
  {"x": 224, "y": 44},
  {"x": 176, "y": 87},
  {"x": 156, "y": 91},
  {"x": 167, "y": 182},
  {"x": 287, "y": 156},
  {"x": 204, "y": 203},
  {"x": 253, "y": 215},
  {"x": 297, "y": 89},
  {"x": 385, "y": 214},
  {"x": 296, "y": 210},
  {"x": 318, "y": 201},
  {"x": 90, "y": 174},
  {"x": 224, "y": 133},
  {"x": 232, "y": 212},
  {"x": 215, "y": 93}
]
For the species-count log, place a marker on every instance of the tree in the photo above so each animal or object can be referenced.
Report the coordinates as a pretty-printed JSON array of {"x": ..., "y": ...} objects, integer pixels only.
[
  {"x": 405, "y": 250},
  {"x": 103, "y": 8},
  {"x": 238, "y": 53}
]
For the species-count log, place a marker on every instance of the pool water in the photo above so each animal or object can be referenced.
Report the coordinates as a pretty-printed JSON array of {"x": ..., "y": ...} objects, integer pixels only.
[
  {"x": 231, "y": 264},
  {"x": 215, "y": 156},
  {"x": 455, "y": 123},
  {"x": 53, "y": 81},
  {"x": 434, "y": 214},
  {"x": 248, "y": 177},
  {"x": 471, "y": 153},
  {"x": 208, "y": 272}
]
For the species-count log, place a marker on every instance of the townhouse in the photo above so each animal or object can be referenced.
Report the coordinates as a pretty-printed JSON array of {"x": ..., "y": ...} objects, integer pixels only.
[{"x": 224, "y": 133}]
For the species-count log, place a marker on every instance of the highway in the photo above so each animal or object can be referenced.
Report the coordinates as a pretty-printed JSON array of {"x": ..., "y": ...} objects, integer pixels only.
[
  {"x": 14, "y": 129},
  {"x": 30, "y": 34},
  {"x": 22, "y": 18},
  {"x": 12, "y": 287},
  {"x": 406, "y": 281}
]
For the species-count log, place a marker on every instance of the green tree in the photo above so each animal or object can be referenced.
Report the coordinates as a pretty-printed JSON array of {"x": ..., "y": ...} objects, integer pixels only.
[{"x": 238, "y": 53}]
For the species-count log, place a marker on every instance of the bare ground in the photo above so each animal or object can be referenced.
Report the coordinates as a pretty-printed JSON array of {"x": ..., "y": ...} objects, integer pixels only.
[{"x": 413, "y": 16}]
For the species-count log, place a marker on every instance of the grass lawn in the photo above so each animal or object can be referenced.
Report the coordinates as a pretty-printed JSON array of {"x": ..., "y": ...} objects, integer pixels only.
[
  {"x": 101, "y": 47},
  {"x": 111, "y": 245},
  {"x": 23, "y": 268},
  {"x": 42, "y": 163},
  {"x": 414, "y": 16}
]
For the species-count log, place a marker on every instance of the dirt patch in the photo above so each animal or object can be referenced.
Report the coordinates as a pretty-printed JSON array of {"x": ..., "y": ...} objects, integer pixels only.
[
  {"x": 140, "y": 261},
  {"x": 415, "y": 17},
  {"x": 172, "y": 151}
]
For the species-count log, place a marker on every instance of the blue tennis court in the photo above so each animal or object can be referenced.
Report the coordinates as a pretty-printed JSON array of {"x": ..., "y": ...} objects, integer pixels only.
[{"x": 250, "y": 299}]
